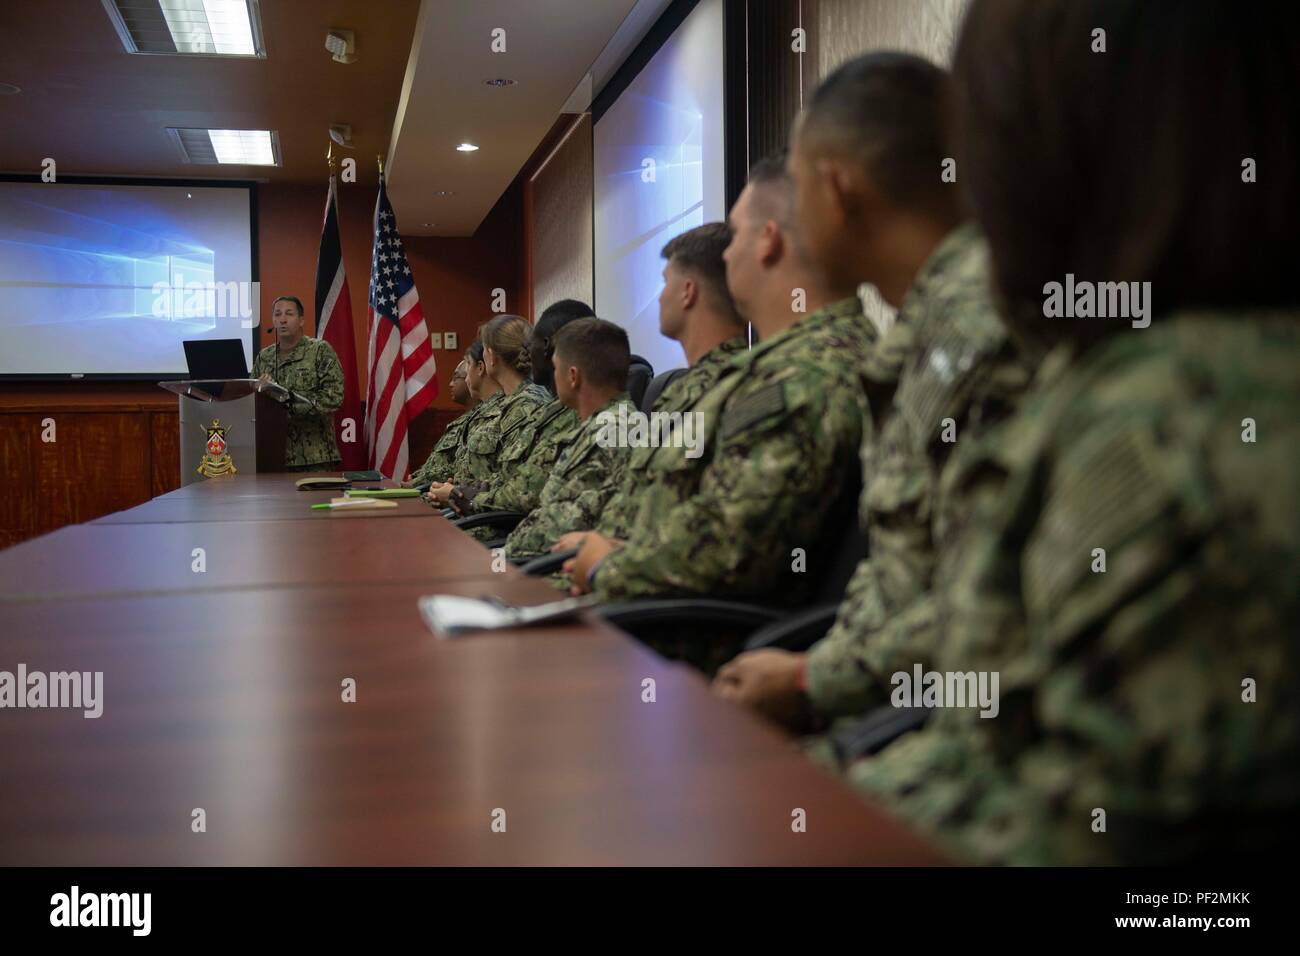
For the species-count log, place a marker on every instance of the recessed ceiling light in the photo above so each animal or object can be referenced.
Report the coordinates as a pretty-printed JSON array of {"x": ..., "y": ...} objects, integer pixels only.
[
  {"x": 240, "y": 147},
  {"x": 8, "y": 89},
  {"x": 500, "y": 81},
  {"x": 466, "y": 148},
  {"x": 426, "y": 225},
  {"x": 444, "y": 192},
  {"x": 189, "y": 27}
]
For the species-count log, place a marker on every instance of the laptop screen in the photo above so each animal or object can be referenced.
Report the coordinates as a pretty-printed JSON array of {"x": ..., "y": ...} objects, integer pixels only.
[{"x": 215, "y": 359}]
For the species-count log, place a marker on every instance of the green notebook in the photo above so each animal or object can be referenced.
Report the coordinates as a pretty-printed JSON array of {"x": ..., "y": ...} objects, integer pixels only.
[{"x": 383, "y": 493}]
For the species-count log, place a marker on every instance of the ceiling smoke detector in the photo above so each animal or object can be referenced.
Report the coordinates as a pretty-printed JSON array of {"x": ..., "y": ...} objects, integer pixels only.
[
  {"x": 341, "y": 133},
  {"x": 342, "y": 45}
]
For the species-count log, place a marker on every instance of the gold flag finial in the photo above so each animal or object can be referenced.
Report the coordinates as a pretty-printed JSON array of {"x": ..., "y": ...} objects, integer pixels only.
[
  {"x": 329, "y": 158},
  {"x": 380, "y": 160}
]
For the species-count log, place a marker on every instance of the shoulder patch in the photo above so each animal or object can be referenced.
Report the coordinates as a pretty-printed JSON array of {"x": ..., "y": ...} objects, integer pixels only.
[{"x": 767, "y": 401}]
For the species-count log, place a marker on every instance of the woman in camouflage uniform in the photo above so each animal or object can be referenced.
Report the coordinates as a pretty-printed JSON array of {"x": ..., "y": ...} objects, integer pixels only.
[{"x": 507, "y": 363}]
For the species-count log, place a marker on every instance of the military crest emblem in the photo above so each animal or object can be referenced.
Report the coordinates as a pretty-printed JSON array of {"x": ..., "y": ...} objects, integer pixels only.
[{"x": 216, "y": 458}]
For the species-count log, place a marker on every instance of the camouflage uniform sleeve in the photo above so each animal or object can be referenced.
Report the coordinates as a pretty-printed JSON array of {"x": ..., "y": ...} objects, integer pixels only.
[
  {"x": 329, "y": 396},
  {"x": 326, "y": 393},
  {"x": 784, "y": 450},
  {"x": 440, "y": 461},
  {"x": 521, "y": 488},
  {"x": 886, "y": 622},
  {"x": 570, "y": 502},
  {"x": 476, "y": 458},
  {"x": 1121, "y": 607}
]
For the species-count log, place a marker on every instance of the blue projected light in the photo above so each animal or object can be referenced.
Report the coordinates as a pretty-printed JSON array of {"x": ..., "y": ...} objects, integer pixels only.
[
  {"x": 659, "y": 172},
  {"x": 112, "y": 279}
]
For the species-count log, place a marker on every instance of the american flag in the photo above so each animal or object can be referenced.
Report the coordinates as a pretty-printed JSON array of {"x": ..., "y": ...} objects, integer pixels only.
[{"x": 402, "y": 380}]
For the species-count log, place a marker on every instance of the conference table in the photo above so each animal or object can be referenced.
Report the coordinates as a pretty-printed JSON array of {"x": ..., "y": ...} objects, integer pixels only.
[{"x": 272, "y": 696}]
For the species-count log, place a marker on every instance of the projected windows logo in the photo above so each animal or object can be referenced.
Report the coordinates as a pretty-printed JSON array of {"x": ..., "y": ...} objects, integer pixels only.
[
  {"x": 183, "y": 288},
  {"x": 87, "y": 265}
]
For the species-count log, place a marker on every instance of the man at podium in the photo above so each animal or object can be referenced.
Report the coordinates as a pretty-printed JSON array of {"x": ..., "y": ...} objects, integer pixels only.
[{"x": 310, "y": 370}]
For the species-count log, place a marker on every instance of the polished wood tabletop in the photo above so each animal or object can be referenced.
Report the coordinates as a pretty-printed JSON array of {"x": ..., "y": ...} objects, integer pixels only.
[{"x": 223, "y": 692}]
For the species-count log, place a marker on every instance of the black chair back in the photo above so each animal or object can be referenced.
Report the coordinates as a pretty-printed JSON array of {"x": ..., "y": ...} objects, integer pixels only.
[
  {"x": 657, "y": 386},
  {"x": 639, "y": 374}
]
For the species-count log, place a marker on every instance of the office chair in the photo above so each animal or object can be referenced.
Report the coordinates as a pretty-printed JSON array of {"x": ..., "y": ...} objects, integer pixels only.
[
  {"x": 657, "y": 386},
  {"x": 774, "y": 626},
  {"x": 639, "y": 374}
]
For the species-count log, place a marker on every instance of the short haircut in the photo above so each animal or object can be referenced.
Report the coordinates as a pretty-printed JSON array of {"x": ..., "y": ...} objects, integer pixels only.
[
  {"x": 699, "y": 252},
  {"x": 1128, "y": 166},
  {"x": 886, "y": 111},
  {"x": 598, "y": 348},
  {"x": 773, "y": 189},
  {"x": 555, "y": 317},
  {"x": 289, "y": 298}
]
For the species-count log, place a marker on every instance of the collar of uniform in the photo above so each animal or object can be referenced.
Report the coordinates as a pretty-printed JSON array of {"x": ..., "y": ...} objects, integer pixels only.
[
  {"x": 612, "y": 404},
  {"x": 294, "y": 353},
  {"x": 722, "y": 353},
  {"x": 949, "y": 250},
  {"x": 850, "y": 307},
  {"x": 523, "y": 391},
  {"x": 591, "y": 427}
]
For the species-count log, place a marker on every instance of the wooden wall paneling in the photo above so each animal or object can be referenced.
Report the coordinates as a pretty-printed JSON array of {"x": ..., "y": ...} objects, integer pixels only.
[
  {"x": 164, "y": 452},
  {"x": 17, "y": 478}
]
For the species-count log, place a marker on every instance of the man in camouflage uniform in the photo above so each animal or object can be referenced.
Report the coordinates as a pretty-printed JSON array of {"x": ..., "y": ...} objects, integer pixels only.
[
  {"x": 1133, "y": 584},
  {"x": 779, "y": 467},
  {"x": 591, "y": 360},
  {"x": 438, "y": 466},
  {"x": 310, "y": 369},
  {"x": 959, "y": 372},
  {"x": 696, "y": 310},
  {"x": 961, "y": 375}
]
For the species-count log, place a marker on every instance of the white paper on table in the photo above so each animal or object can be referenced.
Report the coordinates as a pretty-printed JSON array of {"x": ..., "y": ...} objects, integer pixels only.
[{"x": 448, "y": 615}]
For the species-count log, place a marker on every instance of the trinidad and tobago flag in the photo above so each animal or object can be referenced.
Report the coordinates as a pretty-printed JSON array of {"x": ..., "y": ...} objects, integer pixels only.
[{"x": 334, "y": 325}]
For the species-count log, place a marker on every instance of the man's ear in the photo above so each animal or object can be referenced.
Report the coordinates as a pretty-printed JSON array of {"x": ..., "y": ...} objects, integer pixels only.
[
  {"x": 771, "y": 243},
  {"x": 844, "y": 189},
  {"x": 575, "y": 377},
  {"x": 690, "y": 293}
]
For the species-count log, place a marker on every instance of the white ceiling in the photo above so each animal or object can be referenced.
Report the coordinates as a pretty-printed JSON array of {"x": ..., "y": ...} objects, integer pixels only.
[{"x": 559, "y": 52}]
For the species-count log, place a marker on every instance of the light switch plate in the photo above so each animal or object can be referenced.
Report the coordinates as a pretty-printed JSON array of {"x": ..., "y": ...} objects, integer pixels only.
[
  {"x": 435, "y": 340},
  {"x": 450, "y": 340}
]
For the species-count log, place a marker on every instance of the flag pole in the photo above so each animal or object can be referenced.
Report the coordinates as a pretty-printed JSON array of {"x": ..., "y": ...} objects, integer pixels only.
[{"x": 380, "y": 161}]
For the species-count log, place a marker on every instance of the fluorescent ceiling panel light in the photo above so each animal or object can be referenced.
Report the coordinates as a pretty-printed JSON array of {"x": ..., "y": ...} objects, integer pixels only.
[
  {"x": 243, "y": 147},
  {"x": 189, "y": 27}
]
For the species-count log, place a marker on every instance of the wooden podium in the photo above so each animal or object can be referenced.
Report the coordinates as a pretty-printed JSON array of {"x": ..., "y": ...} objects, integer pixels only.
[{"x": 242, "y": 417}]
